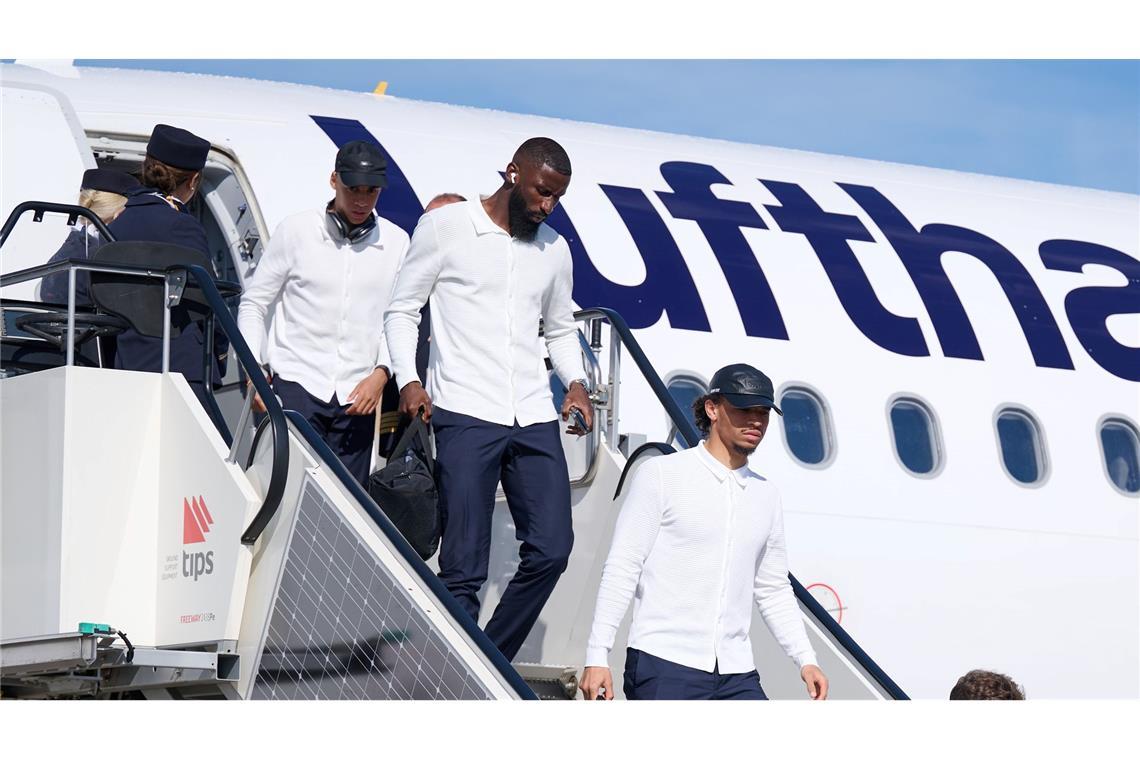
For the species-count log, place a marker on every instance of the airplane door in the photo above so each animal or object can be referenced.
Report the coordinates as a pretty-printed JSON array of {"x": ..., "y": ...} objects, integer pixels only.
[
  {"x": 43, "y": 154},
  {"x": 229, "y": 199}
]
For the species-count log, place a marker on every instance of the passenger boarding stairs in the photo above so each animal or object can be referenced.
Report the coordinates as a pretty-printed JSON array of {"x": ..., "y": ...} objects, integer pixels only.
[{"x": 153, "y": 550}]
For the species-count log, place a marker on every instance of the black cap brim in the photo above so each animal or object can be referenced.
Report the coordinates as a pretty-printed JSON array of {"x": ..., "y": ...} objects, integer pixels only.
[
  {"x": 356, "y": 179},
  {"x": 750, "y": 400}
]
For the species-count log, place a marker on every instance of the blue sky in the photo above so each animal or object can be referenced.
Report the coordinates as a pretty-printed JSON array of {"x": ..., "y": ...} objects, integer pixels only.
[{"x": 1069, "y": 122}]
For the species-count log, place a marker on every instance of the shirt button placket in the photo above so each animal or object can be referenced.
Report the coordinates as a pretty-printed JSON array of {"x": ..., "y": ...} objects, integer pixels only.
[{"x": 511, "y": 326}]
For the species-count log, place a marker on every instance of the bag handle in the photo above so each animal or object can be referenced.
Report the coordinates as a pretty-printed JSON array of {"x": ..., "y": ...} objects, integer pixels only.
[{"x": 417, "y": 431}]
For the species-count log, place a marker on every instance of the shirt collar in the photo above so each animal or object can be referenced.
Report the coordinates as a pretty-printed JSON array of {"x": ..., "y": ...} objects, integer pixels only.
[
  {"x": 721, "y": 472},
  {"x": 483, "y": 223}
]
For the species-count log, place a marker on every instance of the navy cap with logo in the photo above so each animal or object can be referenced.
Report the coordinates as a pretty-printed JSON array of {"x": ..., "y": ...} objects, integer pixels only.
[
  {"x": 361, "y": 163},
  {"x": 108, "y": 180},
  {"x": 744, "y": 386},
  {"x": 176, "y": 147}
]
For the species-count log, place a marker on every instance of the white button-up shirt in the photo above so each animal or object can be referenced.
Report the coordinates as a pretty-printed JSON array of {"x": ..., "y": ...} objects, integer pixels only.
[
  {"x": 698, "y": 542},
  {"x": 325, "y": 298},
  {"x": 487, "y": 292}
]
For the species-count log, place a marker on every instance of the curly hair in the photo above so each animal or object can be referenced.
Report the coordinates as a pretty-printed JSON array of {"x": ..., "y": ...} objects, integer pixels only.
[
  {"x": 985, "y": 684},
  {"x": 700, "y": 418}
]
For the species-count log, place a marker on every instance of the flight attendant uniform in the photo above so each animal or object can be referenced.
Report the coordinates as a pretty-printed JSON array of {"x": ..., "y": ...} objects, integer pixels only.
[{"x": 151, "y": 216}]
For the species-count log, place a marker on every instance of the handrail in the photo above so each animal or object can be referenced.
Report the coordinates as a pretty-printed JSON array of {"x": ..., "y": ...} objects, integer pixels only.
[
  {"x": 411, "y": 558},
  {"x": 661, "y": 448},
  {"x": 280, "y": 469},
  {"x": 688, "y": 430},
  {"x": 684, "y": 425},
  {"x": 73, "y": 213},
  {"x": 844, "y": 640},
  {"x": 211, "y": 292}
]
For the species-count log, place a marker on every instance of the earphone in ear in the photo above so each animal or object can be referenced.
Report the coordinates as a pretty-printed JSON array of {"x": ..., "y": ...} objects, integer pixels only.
[{"x": 514, "y": 178}]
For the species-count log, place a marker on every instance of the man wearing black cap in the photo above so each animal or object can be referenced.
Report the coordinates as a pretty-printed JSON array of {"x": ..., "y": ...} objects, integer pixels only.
[
  {"x": 328, "y": 274},
  {"x": 104, "y": 191},
  {"x": 156, "y": 212},
  {"x": 699, "y": 538}
]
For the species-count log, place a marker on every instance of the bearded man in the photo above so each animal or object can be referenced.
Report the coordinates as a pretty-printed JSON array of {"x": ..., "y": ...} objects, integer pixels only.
[{"x": 490, "y": 269}]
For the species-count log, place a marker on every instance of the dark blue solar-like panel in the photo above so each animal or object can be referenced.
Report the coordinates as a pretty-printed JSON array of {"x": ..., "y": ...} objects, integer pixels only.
[{"x": 343, "y": 628}]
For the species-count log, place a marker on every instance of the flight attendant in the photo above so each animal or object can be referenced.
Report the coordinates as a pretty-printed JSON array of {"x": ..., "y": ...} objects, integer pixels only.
[
  {"x": 104, "y": 192},
  {"x": 157, "y": 211}
]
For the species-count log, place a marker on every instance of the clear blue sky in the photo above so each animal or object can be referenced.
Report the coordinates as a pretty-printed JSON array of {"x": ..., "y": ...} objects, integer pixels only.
[{"x": 1069, "y": 122}]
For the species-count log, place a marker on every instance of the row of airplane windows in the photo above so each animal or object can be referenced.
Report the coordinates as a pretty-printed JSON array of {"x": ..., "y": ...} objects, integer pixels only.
[{"x": 917, "y": 440}]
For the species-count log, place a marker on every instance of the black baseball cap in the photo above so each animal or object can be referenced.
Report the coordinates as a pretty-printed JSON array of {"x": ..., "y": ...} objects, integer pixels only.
[
  {"x": 108, "y": 180},
  {"x": 744, "y": 386},
  {"x": 362, "y": 163},
  {"x": 177, "y": 147}
]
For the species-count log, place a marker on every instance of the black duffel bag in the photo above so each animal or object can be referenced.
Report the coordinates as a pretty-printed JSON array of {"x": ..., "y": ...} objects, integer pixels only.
[{"x": 405, "y": 489}]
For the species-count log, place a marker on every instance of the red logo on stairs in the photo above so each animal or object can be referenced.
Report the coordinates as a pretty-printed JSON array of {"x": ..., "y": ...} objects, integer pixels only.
[{"x": 196, "y": 520}]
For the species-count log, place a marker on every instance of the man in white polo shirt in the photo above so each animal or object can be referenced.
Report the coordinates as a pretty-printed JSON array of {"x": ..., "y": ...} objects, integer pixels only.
[
  {"x": 328, "y": 273},
  {"x": 699, "y": 538},
  {"x": 491, "y": 269}
]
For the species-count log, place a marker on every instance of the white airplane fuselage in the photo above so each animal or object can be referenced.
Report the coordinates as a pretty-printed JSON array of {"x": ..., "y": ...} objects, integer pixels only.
[{"x": 858, "y": 280}]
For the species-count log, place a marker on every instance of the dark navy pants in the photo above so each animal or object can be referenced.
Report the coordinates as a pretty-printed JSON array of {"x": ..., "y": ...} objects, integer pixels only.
[
  {"x": 349, "y": 436},
  {"x": 472, "y": 456},
  {"x": 650, "y": 677}
]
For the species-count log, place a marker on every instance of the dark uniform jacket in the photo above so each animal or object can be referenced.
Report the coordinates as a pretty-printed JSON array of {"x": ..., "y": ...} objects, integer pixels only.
[
  {"x": 78, "y": 245},
  {"x": 150, "y": 216}
]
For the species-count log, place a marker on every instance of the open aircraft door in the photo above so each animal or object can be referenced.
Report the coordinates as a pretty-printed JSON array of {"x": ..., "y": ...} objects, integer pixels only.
[{"x": 43, "y": 154}]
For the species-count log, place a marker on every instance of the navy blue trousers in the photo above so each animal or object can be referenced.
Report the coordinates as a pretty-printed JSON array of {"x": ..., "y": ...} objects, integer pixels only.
[
  {"x": 650, "y": 677},
  {"x": 472, "y": 456},
  {"x": 348, "y": 435}
]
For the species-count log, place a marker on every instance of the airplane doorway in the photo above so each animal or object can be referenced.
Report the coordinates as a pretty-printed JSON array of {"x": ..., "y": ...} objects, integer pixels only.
[{"x": 235, "y": 229}]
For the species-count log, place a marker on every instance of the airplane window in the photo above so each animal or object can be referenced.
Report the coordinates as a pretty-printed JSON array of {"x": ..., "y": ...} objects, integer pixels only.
[
  {"x": 1120, "y": 444},
  {"x": 915, "y": 436},
  {"x": 684, "y": 389},
  {"x": 1022, "y": 451},
  {"x": 806, "y": 426}
]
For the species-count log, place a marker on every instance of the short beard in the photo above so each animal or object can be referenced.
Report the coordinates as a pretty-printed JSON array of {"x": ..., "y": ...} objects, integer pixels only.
[
  {"x": 521, "y": 225},
  {"x": 746, "y": 451}
]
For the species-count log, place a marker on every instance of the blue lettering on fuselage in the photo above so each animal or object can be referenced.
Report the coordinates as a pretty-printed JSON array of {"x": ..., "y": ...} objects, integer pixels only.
[
  {"x": 669, "y": 289},
  {"x": 721, "y": 221},
  {"x": 1089, "y": 308},
  {"x": 921, "y": 254},
  {"x": 828, "y": 235}
]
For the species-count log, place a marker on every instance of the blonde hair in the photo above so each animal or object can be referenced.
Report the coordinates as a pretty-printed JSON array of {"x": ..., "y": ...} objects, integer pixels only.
[{"x": 105, "y": 204}]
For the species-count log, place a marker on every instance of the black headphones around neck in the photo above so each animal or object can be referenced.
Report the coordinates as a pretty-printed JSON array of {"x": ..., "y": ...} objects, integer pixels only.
[{"x": 353, "y": 236}]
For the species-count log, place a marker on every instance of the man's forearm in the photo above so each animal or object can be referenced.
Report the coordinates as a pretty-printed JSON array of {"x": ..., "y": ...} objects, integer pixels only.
[{"x": 402, "y": 335}]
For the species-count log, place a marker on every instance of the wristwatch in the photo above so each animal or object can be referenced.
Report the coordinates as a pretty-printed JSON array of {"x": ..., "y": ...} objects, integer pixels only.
[{"x": 585, "y": 385}]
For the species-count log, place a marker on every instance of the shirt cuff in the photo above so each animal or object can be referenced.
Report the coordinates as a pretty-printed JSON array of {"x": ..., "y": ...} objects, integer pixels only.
[
  {"x": 597, "y": 657},
  {"x": 805, "y": 658}
]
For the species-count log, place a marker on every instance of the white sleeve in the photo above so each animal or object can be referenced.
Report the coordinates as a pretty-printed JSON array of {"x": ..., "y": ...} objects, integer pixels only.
[
  {"x": 262, "y": 288},
  {"x": 558, "y": 324},
  {"x": 634, "y": 534},
  {"x": 383, "y": 357},
  {"x": 776, "y": 600},
  {"x": 414, "y": 284}
]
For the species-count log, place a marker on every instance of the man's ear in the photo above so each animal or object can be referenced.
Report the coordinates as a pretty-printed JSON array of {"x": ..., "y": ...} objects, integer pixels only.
[
  {"x": 512, "y": 173},
  {"x": 710, "y": 409},
  {"x": 332, "y": 180}
]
